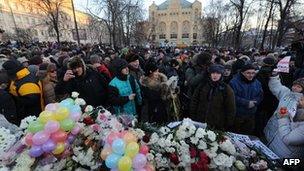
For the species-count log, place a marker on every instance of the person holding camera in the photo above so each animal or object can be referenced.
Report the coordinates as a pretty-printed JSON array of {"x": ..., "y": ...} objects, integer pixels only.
[{"x": 91, "y": 86}]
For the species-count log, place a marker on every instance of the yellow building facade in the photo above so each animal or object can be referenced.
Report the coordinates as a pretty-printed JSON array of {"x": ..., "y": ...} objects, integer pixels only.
[
  {"x": 176, "y": 23},
  {"x": 24, "y": 14}
]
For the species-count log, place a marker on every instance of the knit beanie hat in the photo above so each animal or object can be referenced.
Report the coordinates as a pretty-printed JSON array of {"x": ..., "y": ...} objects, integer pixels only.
[
  {"x": 216, "y": 68},
  {"x": 119, "y": 64},
  {"x": 269, "y": 61},
  {"x": 12, "y": 67},
  {"x": 299, "y": 82},
  {"x": 131, "y": 57},
  {"x": 150, "y": 68}
]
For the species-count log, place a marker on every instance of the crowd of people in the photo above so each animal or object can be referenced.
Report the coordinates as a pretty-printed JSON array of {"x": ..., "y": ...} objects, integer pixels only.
[{"x": 236, "y": 91}]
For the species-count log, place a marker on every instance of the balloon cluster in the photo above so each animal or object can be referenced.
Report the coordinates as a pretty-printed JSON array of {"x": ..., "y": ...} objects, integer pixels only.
[
  {"x": 123, "y": 153},
  {"x": 55, "y": 128}
]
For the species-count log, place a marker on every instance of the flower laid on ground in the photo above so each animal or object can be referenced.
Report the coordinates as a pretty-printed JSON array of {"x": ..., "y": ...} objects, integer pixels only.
[
  {"x": 75, "y": 95},
  {"x": 24, "y": 162},
  {"x": 25, "y": 122},
  {"x": 6, "y": 139}
]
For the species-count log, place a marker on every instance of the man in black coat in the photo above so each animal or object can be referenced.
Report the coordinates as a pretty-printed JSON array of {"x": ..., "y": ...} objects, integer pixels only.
[
  {"x": 91, "y": 86},
  {"x": 7, "y": 104}
]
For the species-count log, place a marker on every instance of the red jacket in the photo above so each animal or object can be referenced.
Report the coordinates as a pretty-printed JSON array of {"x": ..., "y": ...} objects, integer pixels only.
[{"x": 103, "y": 69}]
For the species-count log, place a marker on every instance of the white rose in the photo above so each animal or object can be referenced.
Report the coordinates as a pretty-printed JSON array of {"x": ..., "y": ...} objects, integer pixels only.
[
  {"x": 80, "y": 101},
  {"x": 75, "y": 94},
  {"x": 89, "y": 108},
  {"x": 211, "y": 135}
]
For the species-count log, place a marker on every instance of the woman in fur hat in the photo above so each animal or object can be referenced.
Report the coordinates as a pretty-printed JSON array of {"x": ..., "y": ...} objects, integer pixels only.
[{"x": 155, "y": 94}]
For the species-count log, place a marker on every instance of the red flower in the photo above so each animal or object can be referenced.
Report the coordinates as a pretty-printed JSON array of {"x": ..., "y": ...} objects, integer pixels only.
[
  {"x": 199, "y": 166},
  {"x": 174, "y": 158},
  {"x": 146, "y": 138},
  {"x": 193, "y": 152},
  {"x": 204, "y": 158},
  {"x": 88, "y": 120}
]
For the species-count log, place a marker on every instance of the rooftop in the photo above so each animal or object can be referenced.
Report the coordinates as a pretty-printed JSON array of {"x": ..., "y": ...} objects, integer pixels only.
[{"x": 183, "y": 3}]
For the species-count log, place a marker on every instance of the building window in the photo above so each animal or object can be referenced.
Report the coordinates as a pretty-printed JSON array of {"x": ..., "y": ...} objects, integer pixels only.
[
  {"x": 33, "y": 21},
  {"x": 42, "y": 33},
  {"x": 162, "y": 36},
  {"x": 153, "y": 37},
  {"x": 185, "y": 35},
  {"x": 194, "y": 35},
  {"x": 173, "y": 36}
]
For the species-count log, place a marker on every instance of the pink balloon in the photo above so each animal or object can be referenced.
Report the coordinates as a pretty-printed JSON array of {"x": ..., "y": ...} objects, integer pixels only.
[
  {"x": 51, "y": 107},
  {"x": 75, "y": 130},
  {"x": 40, "y": 138},
  {"x": 51, "y": 127},
  {"x": 139, "y": 161},
  {"x": 144, "y": 149},
  {"x": 75, "y": 116},
  {"x": 59, "y": 136},
  {"x": 111, "y": 137},
  {"x": 29, "y": 139}
]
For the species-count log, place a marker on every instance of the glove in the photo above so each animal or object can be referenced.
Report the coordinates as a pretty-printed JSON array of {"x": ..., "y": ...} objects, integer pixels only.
[{"x": 251, "y": 104}]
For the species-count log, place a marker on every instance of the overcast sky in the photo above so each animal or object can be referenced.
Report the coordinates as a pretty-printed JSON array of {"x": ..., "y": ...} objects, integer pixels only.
[{"x": 81, "y": 4}]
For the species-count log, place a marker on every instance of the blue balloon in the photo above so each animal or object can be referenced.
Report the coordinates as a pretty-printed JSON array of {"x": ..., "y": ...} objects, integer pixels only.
[
  {"x": 75, "y": 109},
  {"x": 112, "y": 161},
  {"x": 118, "y": 146},
  {"x": 67, "y": 103}
]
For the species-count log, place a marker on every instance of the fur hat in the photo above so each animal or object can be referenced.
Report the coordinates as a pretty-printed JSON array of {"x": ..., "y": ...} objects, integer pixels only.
[
  {"x": 150, "y": 68},
  {"x": 216, "y": 68},
  {"x": 299, "y": 82},
  {"x": 246, "y": 67},
  {"x": 131, "y": 57},
  {"x": 12, "y": 67},
  {"x": 203, "y": 59}
]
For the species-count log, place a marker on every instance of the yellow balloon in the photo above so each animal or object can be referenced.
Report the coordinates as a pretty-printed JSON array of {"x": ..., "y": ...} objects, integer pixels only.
[
  {"x": 46, "y": 116},
  {"x": 59, "y": 148},
  {"x": 61, "y": 113},
  {"x": 129, "y": 137},
  {"x": 132, "y": 149},
  {"x": 105, "y": 152},
  {"x": 125, "y": 164}
]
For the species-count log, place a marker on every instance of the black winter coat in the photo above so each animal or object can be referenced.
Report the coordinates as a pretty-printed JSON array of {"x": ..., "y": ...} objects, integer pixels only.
[
  {"x": 92, "y": 87},
  {"x": 8, "y": 107}
]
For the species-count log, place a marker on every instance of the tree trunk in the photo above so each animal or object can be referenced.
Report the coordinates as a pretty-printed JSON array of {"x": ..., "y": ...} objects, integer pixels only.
[{"x": 266, "y": 24}]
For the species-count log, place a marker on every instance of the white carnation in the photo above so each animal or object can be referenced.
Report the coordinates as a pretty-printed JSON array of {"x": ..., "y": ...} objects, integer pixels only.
[
  {"x": 221, "y": 159},
  {"x": 154, "y": 138},
  {"x": 200, "y": 133},
  {"x": 202, "y": 145},
  {"x": 75, "y": 94},
  {"x": 88, "y": 109},
  {"x": 211, "y": 135},
  {"x": 80, "y": 101},
  {"x": 194, "y": 140},
  {"x": 228, "y": 147}
]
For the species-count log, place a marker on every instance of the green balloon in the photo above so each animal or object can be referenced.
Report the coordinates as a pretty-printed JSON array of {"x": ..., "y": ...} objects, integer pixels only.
[
  {"x": 67, "y": 124},
  {"x": 35, "y": 126}
]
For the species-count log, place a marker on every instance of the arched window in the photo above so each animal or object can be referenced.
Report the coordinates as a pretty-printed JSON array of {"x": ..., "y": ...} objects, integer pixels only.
[
  {"x": 162, "y": 30},
  {"x": 186, "y": 29},
  {"x": 174, "y": 30}
]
